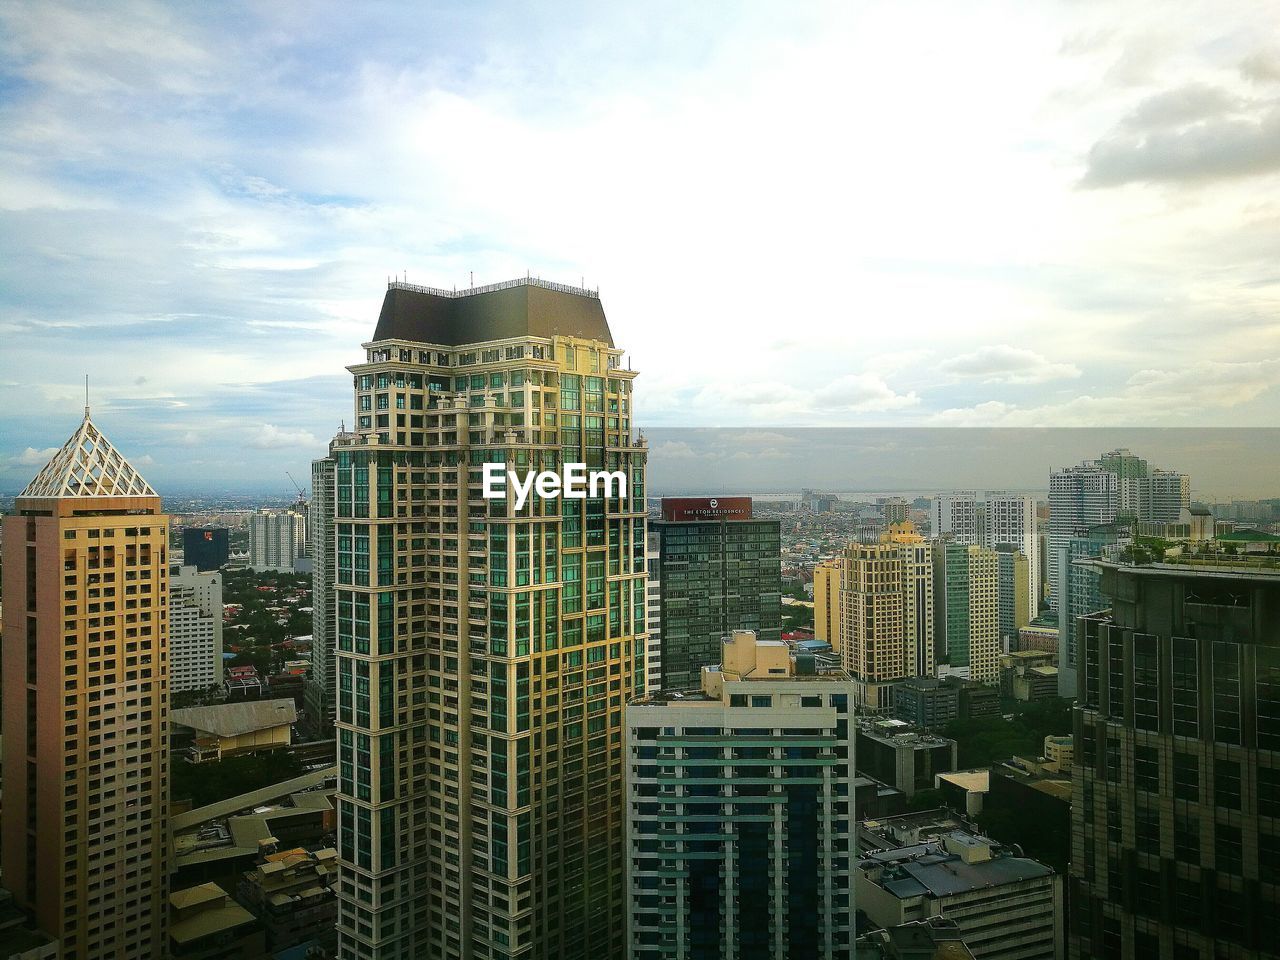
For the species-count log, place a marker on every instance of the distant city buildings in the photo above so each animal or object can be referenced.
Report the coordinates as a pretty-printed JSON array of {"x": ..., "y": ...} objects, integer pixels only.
[
  {"x": 993, "y": 519},
  {"x": 718, "y": 571},
  {"x": 1013, "y": 580},
  {"x": 887, "y": 612},
  {"x": 828, "y": 623},
  {"x": 205, "y": 548},
  {"x": 1119, "y": 485},
  {"x": 195, "y": 629},
  {"x": 86, "y": 760},
  {"x": 277, "y": 538},
  {"x": 738, "y": 811}
]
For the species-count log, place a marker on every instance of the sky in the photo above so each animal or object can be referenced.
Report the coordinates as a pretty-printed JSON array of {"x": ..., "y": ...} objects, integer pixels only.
[{"x": 798, "y": 214}]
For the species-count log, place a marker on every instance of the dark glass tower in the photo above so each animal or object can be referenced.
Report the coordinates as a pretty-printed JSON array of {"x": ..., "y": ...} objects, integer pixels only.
[
  {"x": 1176, "y": 806},
  {"x": 719, "y": 570}
]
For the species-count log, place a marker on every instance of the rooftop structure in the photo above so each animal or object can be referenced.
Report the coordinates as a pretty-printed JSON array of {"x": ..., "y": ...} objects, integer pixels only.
[
  {"x": 88, "y": 465},
  {"x": 1004, "y": 905},
  {"x": 206, "y": 924},
  {"x": 524, "y": 307}
]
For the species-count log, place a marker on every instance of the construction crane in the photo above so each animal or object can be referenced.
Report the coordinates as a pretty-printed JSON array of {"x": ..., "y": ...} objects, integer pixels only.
[{"x": 302, "y": 494}]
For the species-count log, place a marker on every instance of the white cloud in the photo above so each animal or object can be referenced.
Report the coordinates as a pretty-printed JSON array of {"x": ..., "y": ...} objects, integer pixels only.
[
  {"x": 270, "y": 437},
  {"x": 1002, "y": 363},
  {"x": 31, "y": 457}
]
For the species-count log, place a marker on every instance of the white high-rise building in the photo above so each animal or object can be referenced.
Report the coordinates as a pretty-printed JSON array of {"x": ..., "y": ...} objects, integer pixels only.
[
  {"x": 1079, "y": 498},
  {"x": 989, "y": 520},
  {"x": 277, "y": 538},
  {"x": 195, "y": 629},
  {"x": 957, "y": 514}
]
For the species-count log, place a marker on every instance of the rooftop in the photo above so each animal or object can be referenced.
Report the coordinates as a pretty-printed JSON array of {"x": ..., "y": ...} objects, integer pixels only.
[
  {"x": 524, "y": 307},
  {"x": 212, "y": 912},
  {"x": 88, "y": 466},
  {"x": 955, "y": 863},
  {"x": 234, "y": 719}
]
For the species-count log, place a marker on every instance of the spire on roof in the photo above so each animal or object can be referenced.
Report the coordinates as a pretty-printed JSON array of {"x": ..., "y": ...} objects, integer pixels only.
[{"x": 88, "y": 466}]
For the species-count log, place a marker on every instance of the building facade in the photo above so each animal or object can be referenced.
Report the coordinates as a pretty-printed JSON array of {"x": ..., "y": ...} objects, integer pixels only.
[
  {"x": 1176, "y": 805},
  {"x": 1013, "y": 579},
  {"x": 827, "y": 622},
  {"x": 993, "y": 519},
  {"x": 738, "y": 812},
  {"x": 484, "y": 651},
  {"x": 195, "y": 629},
  {"x": 86, "y": 703},
  {"x": 205, "y": 548},
  {"x": 966, "y": 597},
  {"x": 887, "y": 609},
  {"x": 1081, "y": 592},
  {"x": 653, "y": 616},
  {"x": 321, "y": 687},
  {"x": 277, "y": 538},
  {"x": 1080, "y": 497},
  {"x": 719, "y": 571}
]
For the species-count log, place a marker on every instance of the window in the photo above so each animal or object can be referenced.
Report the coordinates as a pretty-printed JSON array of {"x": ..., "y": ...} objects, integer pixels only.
[{"x": 1226, "y": 784}]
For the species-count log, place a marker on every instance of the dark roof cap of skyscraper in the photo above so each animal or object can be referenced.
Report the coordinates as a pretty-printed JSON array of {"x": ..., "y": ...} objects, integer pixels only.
[{"x": 526, "y": 307}]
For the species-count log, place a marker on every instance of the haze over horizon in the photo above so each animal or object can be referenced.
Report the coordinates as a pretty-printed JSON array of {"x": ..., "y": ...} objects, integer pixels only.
[{"x": 817, "y": 214}]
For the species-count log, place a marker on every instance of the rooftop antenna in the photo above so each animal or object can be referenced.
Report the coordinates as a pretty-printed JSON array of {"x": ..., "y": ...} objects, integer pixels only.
[
  {"x": 473, "y": 279},
  {"x": 86, "y": 396}
]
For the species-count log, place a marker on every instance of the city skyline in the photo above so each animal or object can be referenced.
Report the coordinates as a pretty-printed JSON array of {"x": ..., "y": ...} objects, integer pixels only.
[{"x": 210, "y": 258}]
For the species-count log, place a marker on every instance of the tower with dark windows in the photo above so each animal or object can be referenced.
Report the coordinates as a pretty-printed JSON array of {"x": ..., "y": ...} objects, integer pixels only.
[{"x": 1176, "y": 806}]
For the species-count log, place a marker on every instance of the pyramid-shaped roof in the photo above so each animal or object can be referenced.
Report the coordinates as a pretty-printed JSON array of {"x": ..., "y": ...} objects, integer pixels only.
[{"x": 88, "y": 466}]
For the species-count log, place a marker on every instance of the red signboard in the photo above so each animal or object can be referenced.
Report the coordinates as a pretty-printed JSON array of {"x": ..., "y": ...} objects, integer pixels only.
[{"x": 706, "y": 508}]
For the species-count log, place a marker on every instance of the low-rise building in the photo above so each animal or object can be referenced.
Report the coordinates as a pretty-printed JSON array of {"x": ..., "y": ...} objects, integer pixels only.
[
  {"x": 291, "y": 893},
  {"x": 1029, "y": 675},
  {"x": 937, "y": 938},
  {"x": 1059, "y": 753},
  {"x": 206, "y": 924},
  {"x": 227, "y": 729},
  {"x": 964, "y": 790},
  {"x": 1039, "y": 635},
  {"x": 975, "y": 700},
  {"x": 902, "y": 756},
  {"x": 926, "y": 702},
  {"x": 1030, "y": 805},
  {"x": 19, "y": 938},
  {"x": 244, "y": 683},
  {"x": 1004, "y": 905}
]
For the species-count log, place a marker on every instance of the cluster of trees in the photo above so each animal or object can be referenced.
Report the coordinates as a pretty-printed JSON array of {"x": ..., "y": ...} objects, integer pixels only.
[
  {"x": 982, "y": 741},
  {"x": 255, "y": 629}
]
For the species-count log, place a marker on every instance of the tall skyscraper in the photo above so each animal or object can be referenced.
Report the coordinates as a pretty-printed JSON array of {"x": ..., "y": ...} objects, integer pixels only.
[
  {"x": 1079, "y": 497},
  {"x": 484, "y": 650},
  {"x": 277, "y": 538},
  {"x": 956, "y": 514},
  {"x": 720, "y": 570},
  {"x": 989, "y": 520},
  {"x": 195, "y": 629},
  {"x": 966, "y": 598},
  {"x": 653, "y": 616},
  {"x": 1176, "y": 807},
  {"x": 1081, "y": 593},
  {"x": 86, "y": 703},
  {"x": 1118, "y": 485},
  {"x": 322, "y": 690},
  {"x": 1013, "y": 578},
  {"x": 827, "y": 622},
  {"x": 887, "y": 607},
  {"x": 739, "y": 818}
]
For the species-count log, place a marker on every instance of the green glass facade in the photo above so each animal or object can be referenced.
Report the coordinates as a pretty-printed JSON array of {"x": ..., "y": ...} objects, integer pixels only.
[{"x": 716, "y": 576}]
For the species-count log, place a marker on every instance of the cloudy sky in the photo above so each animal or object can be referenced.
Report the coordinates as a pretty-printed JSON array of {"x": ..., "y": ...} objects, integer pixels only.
[{"x": 928, "y": 214}]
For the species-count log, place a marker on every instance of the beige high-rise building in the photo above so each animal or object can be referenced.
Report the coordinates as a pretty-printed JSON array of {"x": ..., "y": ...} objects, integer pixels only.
[
  {"x": 886, "y": 599},
  {"x": 85, "y": 844},
  {"x": 827, "y": 624},
  {"x": 484, "y": 651}
]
